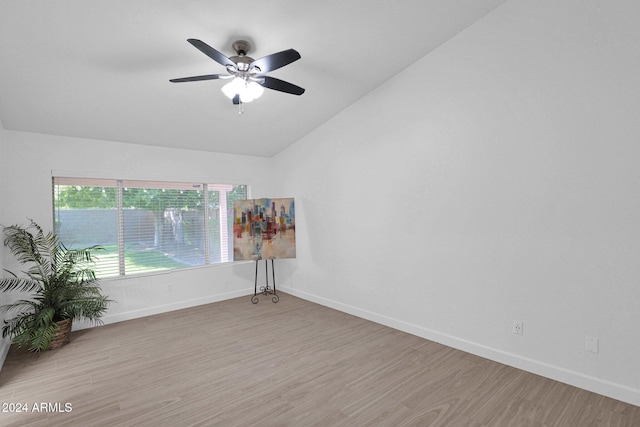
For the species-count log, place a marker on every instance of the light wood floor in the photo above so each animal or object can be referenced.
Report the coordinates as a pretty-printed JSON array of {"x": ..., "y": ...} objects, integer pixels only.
[{"x": 293, "y": 363}]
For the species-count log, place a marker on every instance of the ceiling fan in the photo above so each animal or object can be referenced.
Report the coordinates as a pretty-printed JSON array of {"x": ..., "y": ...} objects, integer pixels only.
[{"x": 247, "y": 74}]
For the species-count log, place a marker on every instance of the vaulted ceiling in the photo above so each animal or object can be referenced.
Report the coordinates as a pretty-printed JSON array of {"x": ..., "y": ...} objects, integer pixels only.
[{"x": 100, "y": 69}]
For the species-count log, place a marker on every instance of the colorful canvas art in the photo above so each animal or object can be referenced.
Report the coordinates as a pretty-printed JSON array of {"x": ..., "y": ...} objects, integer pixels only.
[{"x": 264, "y": 229}]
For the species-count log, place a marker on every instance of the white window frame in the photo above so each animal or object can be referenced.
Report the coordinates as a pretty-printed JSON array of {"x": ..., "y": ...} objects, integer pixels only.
[{"x": 222, "y": 189}]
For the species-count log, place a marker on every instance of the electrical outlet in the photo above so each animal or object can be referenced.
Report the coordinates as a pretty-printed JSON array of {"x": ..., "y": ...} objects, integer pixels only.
[
  {"x": 592, "y": 345},
  {"x": 518, "y": 327}
]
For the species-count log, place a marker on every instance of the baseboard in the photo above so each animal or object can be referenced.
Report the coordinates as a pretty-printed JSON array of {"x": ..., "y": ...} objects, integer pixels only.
[
  {"x": 576, "y": 379},
  {"x": 150, "y": 311}
]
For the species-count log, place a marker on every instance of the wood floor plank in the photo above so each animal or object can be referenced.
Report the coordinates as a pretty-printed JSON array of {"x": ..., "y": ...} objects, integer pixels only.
[{"x": 293, "y": 363}]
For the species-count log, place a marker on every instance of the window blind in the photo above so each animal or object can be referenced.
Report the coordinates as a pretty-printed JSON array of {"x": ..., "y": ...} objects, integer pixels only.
[{"x": 85, "y": 214}]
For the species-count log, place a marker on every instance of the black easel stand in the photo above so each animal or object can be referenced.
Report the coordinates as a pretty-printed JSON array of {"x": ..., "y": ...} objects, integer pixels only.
[{"x": 266, "y": 289}]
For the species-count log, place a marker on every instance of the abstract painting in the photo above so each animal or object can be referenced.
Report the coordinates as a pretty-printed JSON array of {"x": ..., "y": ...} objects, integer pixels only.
[{"x": 264, "y": 229}]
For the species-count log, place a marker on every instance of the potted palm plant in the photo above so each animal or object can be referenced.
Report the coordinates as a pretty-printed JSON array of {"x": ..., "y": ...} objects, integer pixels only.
[{"x": 61, "y": 284}]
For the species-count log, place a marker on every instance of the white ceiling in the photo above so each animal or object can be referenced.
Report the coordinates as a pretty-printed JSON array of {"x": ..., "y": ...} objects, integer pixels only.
[{"x": 100, "y": 69}]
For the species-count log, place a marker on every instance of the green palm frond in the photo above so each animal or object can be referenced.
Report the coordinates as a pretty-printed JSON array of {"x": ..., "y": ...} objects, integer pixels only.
[
  {"x": 37, "y": 332},
  {"x": 18, "y": 284},
  {"x": 32, "y": 247},
  {"x": 19, "y": 307}
]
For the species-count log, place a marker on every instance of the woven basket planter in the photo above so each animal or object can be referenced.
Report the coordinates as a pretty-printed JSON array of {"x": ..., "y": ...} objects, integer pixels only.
[{"x": 61, "y": 336}]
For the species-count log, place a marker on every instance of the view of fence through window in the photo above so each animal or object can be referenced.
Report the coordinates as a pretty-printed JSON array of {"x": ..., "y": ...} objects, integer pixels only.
[{"x": 146, "y": 226}]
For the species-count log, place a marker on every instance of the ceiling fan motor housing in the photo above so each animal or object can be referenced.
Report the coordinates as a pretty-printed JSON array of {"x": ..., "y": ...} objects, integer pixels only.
[{"x": 242, "y": 48}]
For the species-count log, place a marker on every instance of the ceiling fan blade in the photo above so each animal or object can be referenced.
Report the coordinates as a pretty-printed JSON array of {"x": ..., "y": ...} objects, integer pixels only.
[
  {"x": 197, "y": 78},
  {"x": 211, "y": 52},
  {"x": 281, "y": 85},
  {"x": 276, "y": 60}
]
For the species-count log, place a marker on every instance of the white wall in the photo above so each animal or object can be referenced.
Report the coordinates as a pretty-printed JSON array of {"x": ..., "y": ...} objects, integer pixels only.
[
  {"x": 4, "y": 343},
  {"x": 27, "y": 164},
  {"x": 495, "y": 179}
]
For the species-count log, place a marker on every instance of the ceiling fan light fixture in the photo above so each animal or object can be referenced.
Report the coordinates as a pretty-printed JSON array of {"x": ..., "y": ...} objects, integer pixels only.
[
  {"x": 248, "y": 91},
  {"x": 233, "y": 87},
  {"x": 255, "y": 90}
]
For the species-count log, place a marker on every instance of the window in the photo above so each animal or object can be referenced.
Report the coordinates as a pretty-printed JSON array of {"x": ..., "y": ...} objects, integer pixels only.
[{"x": 146, "y": 226}]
